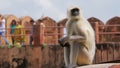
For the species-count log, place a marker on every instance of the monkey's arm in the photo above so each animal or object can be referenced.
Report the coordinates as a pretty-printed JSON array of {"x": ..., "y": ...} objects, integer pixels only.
[
  {"x": 64, "y": 41},
  {"x": 76, "y": 37}
]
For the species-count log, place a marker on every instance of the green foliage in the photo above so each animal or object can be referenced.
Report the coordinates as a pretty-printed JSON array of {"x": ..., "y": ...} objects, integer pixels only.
[
  {"x": 18, "y": 45},
  {"x": 1, "y": 46},
  {"x": 44, "y": 45},
  {"x": 9, "y": 46}
]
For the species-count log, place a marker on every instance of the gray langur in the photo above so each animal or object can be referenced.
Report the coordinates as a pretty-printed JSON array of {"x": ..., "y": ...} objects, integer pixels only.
[{"x": 79, "y": 44}]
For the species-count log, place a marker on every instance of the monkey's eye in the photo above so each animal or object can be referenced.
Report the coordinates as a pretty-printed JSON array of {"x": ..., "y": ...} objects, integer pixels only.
[{"x": 75, "y": 9}]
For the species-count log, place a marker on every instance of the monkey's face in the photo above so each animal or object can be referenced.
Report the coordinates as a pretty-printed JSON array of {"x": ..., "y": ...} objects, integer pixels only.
[{"x": 73, "y": 12}]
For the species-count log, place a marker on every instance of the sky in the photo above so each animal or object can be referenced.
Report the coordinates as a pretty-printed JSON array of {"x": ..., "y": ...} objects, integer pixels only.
[{"x": 56, "y": 9}]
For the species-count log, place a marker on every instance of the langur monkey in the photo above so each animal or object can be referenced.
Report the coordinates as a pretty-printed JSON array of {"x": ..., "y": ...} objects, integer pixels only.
[{"x": 79, "y": 44}]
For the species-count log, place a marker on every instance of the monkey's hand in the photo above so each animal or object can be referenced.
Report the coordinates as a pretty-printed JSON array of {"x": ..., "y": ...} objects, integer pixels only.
[
  {"x": 63, "y": 42},
  {"x": 60, "y": 42}
]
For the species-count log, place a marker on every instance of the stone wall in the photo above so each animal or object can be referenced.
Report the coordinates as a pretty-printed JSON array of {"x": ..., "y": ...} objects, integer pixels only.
[
  {"x": 50, "y": 56},
  {"x": 25, "y": 57}
]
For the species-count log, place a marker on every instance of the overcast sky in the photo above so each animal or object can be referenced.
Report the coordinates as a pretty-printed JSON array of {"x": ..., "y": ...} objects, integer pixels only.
[{"x": 56, "y": 9}]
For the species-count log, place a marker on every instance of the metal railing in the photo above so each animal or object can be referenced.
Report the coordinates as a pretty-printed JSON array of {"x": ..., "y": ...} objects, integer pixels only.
[{"x": 106, "y": 51}]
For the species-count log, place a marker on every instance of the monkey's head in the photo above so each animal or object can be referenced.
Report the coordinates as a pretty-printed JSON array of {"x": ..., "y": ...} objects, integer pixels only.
[{"x": 74, "y": 12}]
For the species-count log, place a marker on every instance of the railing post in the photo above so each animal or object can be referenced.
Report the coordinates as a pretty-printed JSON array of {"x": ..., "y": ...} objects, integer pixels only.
[
  {"x": 38, "y": 34},
  {"x": 61, "y": 31},
  {"x": 42, "y": 29},
  {"x": 38, "y": 38},
  {"x": 97, "y": 32}
]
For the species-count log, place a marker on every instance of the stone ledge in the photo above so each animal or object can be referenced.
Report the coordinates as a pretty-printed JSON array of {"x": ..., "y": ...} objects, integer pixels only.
[{"x": 107, "y": 65}]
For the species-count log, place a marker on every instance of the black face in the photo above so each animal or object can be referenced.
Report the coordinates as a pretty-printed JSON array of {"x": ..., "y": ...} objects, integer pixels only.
[{"x": 75, "y": 12}]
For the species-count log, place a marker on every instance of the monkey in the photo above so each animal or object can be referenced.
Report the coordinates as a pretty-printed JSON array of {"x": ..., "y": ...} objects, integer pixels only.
[{"x": 79, "y": 44}]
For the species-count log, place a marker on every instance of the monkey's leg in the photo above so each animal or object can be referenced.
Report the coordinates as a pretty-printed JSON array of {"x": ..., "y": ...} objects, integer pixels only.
[
  {"x": 66, "y": 55},
  {"x": 74, "y": 50}
]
